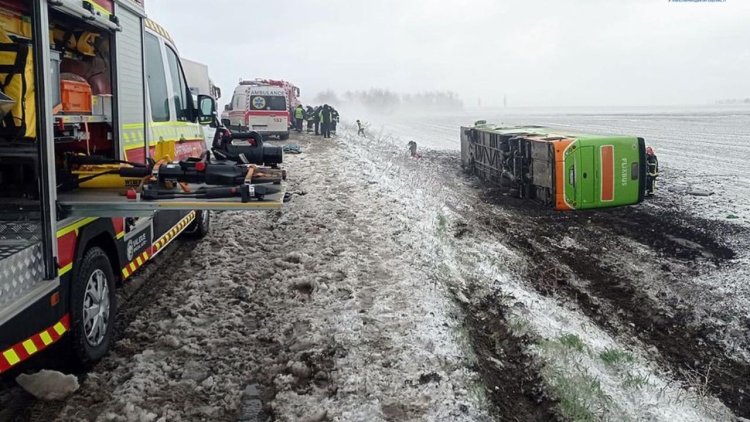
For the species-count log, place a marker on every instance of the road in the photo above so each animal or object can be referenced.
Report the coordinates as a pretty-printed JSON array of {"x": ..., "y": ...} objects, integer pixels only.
[{"x": 400, "y": 289}]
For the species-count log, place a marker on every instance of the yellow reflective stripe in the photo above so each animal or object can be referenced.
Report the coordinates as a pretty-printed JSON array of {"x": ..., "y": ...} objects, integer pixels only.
[
  {"x": 161, "y": 131},
  {"x": 75, "y": 226},
  {"x": 59, "y": 328},
  {"x": 125, "y": 272},
  {"x": 46, "y": 338},
  {"x": 30, "y": 347},
  {"x": 120, "y": 235},
  {"x": 170, "y": 123},
  {"x": 158, "y": 29},
  {"x": 11, "y": 357},
  {"x": 65, "y": 269}
]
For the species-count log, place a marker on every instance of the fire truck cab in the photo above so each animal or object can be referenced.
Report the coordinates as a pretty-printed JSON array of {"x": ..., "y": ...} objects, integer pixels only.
[{"x": 97, "y": 81}]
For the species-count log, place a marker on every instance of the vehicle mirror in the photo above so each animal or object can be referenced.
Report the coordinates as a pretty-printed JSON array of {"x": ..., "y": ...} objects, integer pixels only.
[{"x": 206, "y": 109}]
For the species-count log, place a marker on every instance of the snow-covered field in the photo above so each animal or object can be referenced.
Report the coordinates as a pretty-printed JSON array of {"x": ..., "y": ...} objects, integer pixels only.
[
  {"x": 706, "y": 148},
  {"x": 398, "y": 289}
]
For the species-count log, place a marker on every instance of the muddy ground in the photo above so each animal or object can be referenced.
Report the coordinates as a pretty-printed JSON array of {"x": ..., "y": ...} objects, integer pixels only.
[
  {"x": 400, "y": 289},
  {"x": 608, "y": 271}
]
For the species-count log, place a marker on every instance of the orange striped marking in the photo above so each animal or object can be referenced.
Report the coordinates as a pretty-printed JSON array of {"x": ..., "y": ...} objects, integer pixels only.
[
  {"x": 560, "y": 147},
  {"x": 607, "y": 153}
]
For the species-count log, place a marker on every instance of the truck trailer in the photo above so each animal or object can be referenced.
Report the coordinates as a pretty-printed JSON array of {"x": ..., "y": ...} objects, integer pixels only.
[
  {"x": 198, "y": 79},
  {"x": 102, "y": 164},
  {"x": 561, "y": 170}
]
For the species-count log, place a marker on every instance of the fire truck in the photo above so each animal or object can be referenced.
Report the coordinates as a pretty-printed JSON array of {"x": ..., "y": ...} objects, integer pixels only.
[
  {"x": 263, "y": 105},
  {"x": 102, "y": 164}
]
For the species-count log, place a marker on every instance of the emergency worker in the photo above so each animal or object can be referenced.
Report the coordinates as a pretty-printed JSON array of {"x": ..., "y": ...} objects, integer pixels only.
[
  {"x": 412, "y": 149},
  {"x": 309, "y": 118},
  {"x": 334, "y": 120},
  {"x": 299, "y": 116},
  {"x": 652, "y": 164},
  {"x": 325, "y": 121},
  {"x": 316, "y": 119}
]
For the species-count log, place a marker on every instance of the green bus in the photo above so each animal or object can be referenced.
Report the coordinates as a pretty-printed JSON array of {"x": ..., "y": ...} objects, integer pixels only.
[{"x": 565, "y": 171}]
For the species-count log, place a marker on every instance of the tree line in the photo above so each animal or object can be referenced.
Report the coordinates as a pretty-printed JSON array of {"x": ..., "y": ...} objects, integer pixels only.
[{"x": 386, "y": 101}]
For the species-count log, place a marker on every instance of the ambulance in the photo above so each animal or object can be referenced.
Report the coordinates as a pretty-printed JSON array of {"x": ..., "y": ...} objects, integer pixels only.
[
  {"x": 94, "y": 109},
  {"x": 265, "y": 106}
]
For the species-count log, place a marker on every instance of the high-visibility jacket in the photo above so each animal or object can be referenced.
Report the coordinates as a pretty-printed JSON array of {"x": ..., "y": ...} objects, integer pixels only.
[{"x": 299, "y": 113}]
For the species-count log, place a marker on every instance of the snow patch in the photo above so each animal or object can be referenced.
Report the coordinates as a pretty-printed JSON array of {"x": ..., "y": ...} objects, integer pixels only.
[{"x": 48, "y": 385}]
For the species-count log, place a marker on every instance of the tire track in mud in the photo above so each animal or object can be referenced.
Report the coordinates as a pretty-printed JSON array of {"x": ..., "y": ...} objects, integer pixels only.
[
  {"x": 509, "y": 375},
  {"x": 611, "y": 297},
  {"x": 512, "y": 378}
]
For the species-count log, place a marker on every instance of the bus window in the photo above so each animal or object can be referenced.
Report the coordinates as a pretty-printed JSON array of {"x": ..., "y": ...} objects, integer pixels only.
[
  {"x": 157, "y": 80},
  {"x": 182, "y": 101}
]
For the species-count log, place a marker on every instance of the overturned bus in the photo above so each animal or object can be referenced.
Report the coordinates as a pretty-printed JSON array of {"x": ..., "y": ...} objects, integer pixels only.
[{"x": 562, "y": 171}]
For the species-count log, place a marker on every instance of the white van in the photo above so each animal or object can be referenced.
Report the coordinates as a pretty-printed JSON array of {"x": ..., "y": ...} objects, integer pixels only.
[{"x": 258, "y": 108}]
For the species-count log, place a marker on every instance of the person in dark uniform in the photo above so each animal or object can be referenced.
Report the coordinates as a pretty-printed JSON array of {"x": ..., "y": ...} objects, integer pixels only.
[
  {"x": 316, "y": 119},
  {"x": 652, "y": 171},
  {"x": 412, "y": 149},
  {"x": 325, "y": 121},
  {"x": 309, "y": 118},
  {"x": 334, "y": 120}
]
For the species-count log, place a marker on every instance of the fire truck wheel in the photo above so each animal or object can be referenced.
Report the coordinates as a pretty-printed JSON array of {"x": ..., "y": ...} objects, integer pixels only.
[
  {"x": 199, "y": 228},
  {"x": 93, "y": 307},
  {"x": 284, "y": 137}
]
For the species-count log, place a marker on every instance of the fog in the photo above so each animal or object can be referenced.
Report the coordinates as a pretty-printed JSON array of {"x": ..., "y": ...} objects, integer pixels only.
[{"x": 535, "y": 53}]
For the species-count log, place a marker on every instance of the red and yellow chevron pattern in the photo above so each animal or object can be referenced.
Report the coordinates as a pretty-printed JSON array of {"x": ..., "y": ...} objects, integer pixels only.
[
  {"x": 38, "y": 342},
  {"x": 135, "y": 264}
]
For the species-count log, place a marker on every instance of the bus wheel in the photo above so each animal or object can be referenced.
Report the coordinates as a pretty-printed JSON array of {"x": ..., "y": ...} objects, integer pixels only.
[
  {"x": 93, "y": 307},
  {"x": 199, "y": 228}
]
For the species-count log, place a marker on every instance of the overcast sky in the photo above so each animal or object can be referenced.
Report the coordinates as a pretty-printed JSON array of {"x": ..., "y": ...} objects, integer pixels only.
[{"x": 537, "y": 52}]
